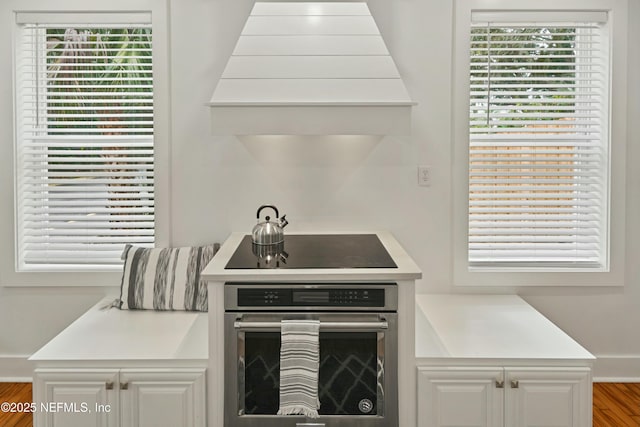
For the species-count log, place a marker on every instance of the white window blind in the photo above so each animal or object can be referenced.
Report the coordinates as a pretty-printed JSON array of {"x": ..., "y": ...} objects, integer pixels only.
[
  {"x": 85, "y": 163},
  {"x": 538, "y": 145}
]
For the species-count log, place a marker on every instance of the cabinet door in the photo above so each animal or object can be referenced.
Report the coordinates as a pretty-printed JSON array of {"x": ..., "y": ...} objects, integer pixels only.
[
  {"x": 548, "y": 398},
  {"x": 162, "y": 398},
  {"x": 75, "y": 398},
  {"x": 460, "y": 397}
]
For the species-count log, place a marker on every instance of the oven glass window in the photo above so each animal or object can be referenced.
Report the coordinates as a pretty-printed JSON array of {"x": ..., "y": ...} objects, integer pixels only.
[{"x": 348, "y": 377}]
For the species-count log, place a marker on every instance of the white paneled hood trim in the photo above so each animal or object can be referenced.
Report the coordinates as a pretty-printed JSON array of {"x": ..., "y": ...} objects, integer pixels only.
[{"x": 310, "y": 68}]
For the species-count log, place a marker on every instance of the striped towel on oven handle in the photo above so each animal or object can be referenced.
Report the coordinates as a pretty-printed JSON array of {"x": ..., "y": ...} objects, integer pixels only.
[{"x": 299, "y": 364}]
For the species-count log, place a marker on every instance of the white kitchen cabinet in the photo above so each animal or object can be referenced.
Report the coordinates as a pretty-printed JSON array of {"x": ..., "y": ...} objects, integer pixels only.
[
  {"x": 541, "y": 397},
  {"x": 494, "y": 361},
  {"x": 460, "y": 397},
  {"x": 509, "y": 397},
  {"x": 120, "y": 397},
  {"x": 169, "y": 398},
  {"x": 78, "y": 398}
]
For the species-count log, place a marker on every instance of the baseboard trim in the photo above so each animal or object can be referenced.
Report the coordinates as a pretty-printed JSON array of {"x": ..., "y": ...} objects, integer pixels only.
[
  {"x": 16, "y": 368},
  {"x": 616, "y": 368}
]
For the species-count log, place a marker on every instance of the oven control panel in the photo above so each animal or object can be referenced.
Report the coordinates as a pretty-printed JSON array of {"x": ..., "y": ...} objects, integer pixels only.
[{"x": 325, "y": 297}]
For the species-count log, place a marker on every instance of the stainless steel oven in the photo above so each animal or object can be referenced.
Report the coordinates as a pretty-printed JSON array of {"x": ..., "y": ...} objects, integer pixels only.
[{"x": 357, "y": 380}]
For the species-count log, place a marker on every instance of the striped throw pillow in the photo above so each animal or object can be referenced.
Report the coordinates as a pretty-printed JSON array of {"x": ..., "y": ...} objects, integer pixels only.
[{"x": 165, "y": 278}]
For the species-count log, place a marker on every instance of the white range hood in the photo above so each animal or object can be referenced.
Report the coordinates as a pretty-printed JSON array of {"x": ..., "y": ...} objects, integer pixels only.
[{"x": 311, "y": 68}]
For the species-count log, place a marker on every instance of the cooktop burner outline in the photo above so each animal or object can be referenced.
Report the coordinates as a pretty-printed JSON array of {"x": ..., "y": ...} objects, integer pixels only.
[{"x": 313, "y": 251}]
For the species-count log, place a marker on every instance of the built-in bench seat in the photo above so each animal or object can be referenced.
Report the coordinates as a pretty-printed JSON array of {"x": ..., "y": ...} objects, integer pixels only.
[
  {"x": 495, "y": 360},
  {"x": 127, "y": 367},
  {"x": 130, "y": 336}
]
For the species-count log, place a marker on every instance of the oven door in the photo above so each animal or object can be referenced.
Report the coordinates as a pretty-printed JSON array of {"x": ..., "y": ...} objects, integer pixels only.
[{"x": 357, "y": 379}]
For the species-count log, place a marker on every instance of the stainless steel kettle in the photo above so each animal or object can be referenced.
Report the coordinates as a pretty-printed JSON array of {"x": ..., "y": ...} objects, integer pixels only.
[
  {"x": 270, "y": 256},
  {"x": 268, "y": 232}
]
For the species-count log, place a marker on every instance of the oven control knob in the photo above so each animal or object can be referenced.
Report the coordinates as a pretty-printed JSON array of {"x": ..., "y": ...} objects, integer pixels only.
[{"x": 365, "y": 406}]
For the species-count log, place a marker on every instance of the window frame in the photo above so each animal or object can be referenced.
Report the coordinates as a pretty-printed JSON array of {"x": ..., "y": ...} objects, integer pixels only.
[
  {"x": 501, "y": 275},
  {"x": 83, "y": 276}
]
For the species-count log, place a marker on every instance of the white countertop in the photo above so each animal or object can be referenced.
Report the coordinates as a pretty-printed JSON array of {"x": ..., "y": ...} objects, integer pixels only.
[
  {"x": 407, "y": 268},
  {"x": 501, "y": 327},
  {"x": 130, "y": 335},
  {"x": 469, "y": 328}
]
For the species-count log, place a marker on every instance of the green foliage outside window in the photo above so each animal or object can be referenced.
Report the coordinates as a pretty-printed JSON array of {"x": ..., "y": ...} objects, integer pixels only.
[{"x": 525, "y": 64}]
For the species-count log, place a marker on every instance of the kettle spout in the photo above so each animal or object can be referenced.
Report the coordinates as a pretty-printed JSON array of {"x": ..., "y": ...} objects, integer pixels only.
[{"x": 283, "y": 221}]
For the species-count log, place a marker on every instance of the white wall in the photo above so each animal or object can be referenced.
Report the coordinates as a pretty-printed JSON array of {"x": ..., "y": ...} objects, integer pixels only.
[{"x": 345, "y": 184}]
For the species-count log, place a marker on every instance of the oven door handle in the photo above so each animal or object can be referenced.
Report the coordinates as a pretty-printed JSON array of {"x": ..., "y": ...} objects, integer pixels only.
[{"x": 323, "y": 325}]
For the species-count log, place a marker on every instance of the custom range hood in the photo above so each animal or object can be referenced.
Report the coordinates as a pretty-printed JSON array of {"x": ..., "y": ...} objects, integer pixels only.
[{"x": 310, "y": 68}]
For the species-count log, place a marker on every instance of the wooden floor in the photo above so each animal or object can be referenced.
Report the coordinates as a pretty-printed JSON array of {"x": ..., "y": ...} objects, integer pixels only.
[
  {"x": 14, "y": 393},
  {"x": 614, "y": 404}
]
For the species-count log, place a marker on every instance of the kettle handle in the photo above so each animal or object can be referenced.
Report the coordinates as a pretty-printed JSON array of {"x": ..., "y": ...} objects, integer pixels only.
[{"x": 267, "y": 206}]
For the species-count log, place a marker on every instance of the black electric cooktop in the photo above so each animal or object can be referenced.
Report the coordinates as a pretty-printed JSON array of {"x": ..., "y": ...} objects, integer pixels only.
[{"x": 314, "y": 251}]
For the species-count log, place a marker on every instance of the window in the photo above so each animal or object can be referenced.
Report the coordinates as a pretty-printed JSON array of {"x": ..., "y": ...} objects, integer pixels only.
[
  {"x": 84, "y": 138},
  {"x": 539, "y": 99},
  {"x": 538, "y": 139}
]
